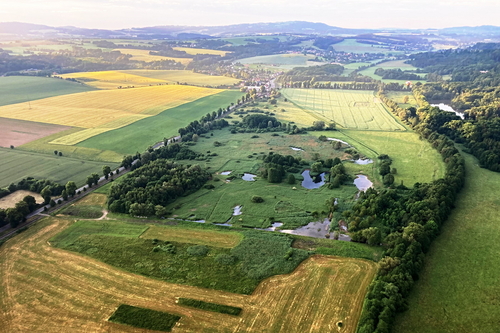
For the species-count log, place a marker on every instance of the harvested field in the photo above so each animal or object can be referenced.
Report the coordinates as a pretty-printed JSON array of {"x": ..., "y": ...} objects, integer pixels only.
[
  {"x": 194, "y": 236},
  {"x": 18, "y": 132},
  {"x": 112, "y": 79},
  {"x": 194, "y": 51},
  {"x": 50, "y": 290},
  {"x": 13, "y": 198},
  {"x": 101, "y": 111},
  {"x": 143, "y": 55}
]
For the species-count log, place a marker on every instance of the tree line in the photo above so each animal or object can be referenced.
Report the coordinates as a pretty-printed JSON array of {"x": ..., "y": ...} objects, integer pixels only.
[{"x": 404, "y": 221}]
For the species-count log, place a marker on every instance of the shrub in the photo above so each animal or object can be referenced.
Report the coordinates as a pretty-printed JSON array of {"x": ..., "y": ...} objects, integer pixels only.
[
  {"x": 257, "y": 199},
  {"x": 198, "y": 250}
]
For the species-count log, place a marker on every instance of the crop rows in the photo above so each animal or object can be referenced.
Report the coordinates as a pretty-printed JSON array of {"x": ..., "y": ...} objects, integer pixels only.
[{"x": 349, "y": 109}]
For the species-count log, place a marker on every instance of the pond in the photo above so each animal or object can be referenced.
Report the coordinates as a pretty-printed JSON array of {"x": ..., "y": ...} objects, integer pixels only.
[
  {"x": 362, "y": 182},
  {"x": 448, "y": 108},
  {"x": 249, "y": 177},
  {"x": 312, "y": 182},
  {"x": 225, "y": 173},
  {"x": 316, "y": 229},
  {"x": 363, "y": 161},
  {"x": 297, "y": 149}
]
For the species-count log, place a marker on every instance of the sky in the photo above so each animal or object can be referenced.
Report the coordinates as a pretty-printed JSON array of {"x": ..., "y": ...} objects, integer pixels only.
[{"x": 117, "y": 14}]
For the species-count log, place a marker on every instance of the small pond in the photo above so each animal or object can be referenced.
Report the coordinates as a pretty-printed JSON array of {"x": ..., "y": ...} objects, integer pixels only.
[
  {"x": 363, "y": 161},
  {"x": 362, "y": 182},
  {"x": 312, "y": 182},
  {"x": 316, "y": 229},
  {"x": 237, "y": 210},
  {"x": 297, "y": 149},
  {"x": 225, "y": 173},
  {"x": 249, "y": 177}
]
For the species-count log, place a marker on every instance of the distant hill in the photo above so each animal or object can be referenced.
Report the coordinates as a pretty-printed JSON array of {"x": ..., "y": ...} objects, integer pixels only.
[{"x": 184, "y": 32}]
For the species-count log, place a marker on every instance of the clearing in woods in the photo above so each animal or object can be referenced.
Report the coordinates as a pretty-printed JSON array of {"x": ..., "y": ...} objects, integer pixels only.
[
  {"x": 348, "y": 108},
  {"x": 143, "y": 77},
  {"x": 49, "y": 289},
  {"x": 103, "y": 110}
]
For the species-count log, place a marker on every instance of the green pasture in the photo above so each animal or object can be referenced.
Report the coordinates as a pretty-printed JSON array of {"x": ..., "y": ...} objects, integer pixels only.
[
  {"x": 371, "y": 73},
  {"x": 19, "y": 89},
  {"x": 352, "y": 46},
  {"x": 398, "y": 96},
  {"x": 414, "y": 159},
  {"x": 458, "y": 289},
  {"x": 283, "y": 61},
  {"x": 44, "y": 146},
  {"x": 16, "y": 165},
  {"x": 144, "y": 133},
  {"x": 347, "y": 108},
  {"x": 240, "y": 153}
]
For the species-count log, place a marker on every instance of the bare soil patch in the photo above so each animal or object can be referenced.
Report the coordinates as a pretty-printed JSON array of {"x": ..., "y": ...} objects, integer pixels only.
[
  {"x": 15, "y": 132},
  {"x": 13, "y": 198}
]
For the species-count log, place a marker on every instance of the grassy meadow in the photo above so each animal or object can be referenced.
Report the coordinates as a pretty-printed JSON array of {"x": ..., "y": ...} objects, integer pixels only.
[
  {"x": 195, "y": 51},
  {"x": 21, "y": 89},
  {"x": 352, "y": 46},
  {"x": 16, "y": 165},
  {"x": 458, "y": 289},
  {"x": 282, "y": 61},
  {"x": 347, "y": 108},
  {"x": 240, "y": 153},
  {"x": 141, "y": 134}
]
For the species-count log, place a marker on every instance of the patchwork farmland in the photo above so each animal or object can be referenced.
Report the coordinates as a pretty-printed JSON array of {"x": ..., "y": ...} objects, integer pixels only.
[
  {"x": 347, "y": 108},
  {"x": 52, "y": 290},
  {"x": 143, "y": 78}
]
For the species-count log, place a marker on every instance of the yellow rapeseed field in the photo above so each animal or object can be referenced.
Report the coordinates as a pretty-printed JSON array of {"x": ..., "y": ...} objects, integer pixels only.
[
  {"x": 103, "y": 110},
  {"x": 143, "y": 55},
  {"x": 194, "y": 51},
  {"x": 113, "y": 79}
]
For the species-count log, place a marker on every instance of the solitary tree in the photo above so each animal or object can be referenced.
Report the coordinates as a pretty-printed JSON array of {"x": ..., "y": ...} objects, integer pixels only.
[{"x": 106, "y": 170}]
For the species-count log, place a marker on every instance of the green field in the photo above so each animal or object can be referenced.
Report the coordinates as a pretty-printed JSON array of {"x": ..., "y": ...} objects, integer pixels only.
[
  {"x": 239, "y": 153},
  {"x": 396, "y": 64},
  {"x": 283, "y": 61},
  {"x": 414, "y": 159},
  {"x": 16, "y": 165},
  {"x": 144, "y": 133},
  {"x": 347, "y": 108},
  {"x": 458, "y": 289},
  {"x": 352, "y": 46},
  {"x": 18, "y": 89}
]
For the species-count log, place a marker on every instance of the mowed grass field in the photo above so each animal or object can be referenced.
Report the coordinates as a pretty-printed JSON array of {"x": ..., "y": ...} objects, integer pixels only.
[
  {"x": 16, "y": 165},
  {"x": 96, "y": 112},
  {"x": 141, "y": 134},
  {"x": 284, "y": 61},
  {"x": 143, "y": 55},
  {"x": 142, "y": 78},
  {"x": 458, "y": 289},
  {"x": 352, "y": 46},
  {"x": 19, "y": 89},
  {"x": 46, "y": 289},
  {"x": 347, "y": 108},
  {"x": 195, "y": 51}
]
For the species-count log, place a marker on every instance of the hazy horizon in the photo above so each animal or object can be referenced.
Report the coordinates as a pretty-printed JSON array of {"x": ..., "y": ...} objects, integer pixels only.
[{"x": 376, "y": 14}]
